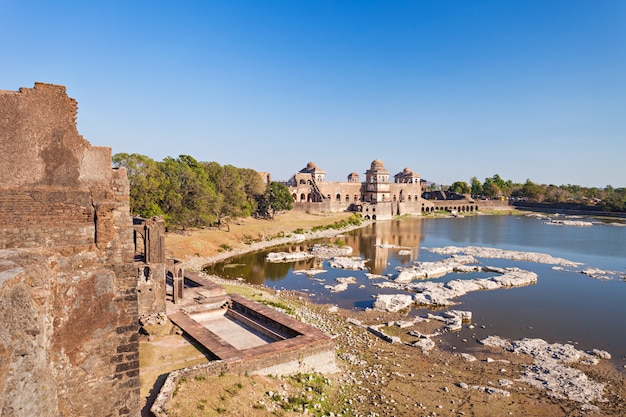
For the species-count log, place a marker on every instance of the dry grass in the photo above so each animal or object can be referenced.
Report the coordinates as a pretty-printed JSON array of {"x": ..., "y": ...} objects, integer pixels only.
[
  {"x": 210, "y": 242},
  {"x": 254, "y": 395}
]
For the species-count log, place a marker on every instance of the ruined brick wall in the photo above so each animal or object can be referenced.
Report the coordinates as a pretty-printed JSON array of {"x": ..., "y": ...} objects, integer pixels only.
[
  {"x": 68, "y": 300},
  {"x": 149, "y": 242}
]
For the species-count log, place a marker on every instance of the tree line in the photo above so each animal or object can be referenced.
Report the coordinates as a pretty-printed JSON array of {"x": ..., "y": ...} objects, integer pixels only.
[
  {"x": 190, "y": 193},
  {"x": 607, "y": 198}
]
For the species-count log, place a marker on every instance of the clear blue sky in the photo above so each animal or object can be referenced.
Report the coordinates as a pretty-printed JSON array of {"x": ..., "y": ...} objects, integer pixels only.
[{"x": 450, "y": 89}]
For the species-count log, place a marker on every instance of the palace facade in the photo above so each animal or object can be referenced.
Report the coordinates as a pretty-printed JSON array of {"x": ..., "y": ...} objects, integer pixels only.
[{"x": 375, "y": 198}]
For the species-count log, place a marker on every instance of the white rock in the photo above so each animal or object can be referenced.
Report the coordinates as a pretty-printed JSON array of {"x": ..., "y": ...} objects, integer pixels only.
[
  {"x": 286, "y": 256},
  {"x": 425, "y": 344},
  {"x": 392, "y": 302},
  {"x": 484, "y": 252},
  {"x": 328, "y": 251},
  {"x": 347, "y": 263}
]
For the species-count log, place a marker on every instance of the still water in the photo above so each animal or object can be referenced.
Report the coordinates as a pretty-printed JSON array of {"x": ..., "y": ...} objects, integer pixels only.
[{"x": 564, "y": 306}]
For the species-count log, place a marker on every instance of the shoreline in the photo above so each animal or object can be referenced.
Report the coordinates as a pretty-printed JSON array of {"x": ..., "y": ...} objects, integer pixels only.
[{"x": 198, "y": 263}]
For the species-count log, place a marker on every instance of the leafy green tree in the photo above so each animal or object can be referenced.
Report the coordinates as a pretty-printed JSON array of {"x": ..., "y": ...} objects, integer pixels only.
[
  {"x": 276, "y": 198},
  {"x": 253, "y": 185},
  {"x": 476, "y": 187},
  {"x": 490, "y": 188},
  {"x": 190, "y": 199},
  {"x": 460, "y": 187},
  {"x": 146, "y": 183},
  {"x": 531, "y": 191}
]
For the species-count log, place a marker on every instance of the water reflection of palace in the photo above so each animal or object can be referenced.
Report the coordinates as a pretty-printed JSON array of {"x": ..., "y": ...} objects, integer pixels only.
[{"x": 380, "y": 240}]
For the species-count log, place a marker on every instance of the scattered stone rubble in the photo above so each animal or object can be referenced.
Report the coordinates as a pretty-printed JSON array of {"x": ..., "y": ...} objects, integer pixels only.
[
  {"x": 453, "y": 320},
  {"x": 551, "y": 372}
]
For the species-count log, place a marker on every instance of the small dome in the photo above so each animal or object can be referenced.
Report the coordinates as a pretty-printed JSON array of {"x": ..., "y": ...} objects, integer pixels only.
[
  {"x": 311, "y": 165},
  {"x": 407, "y": 170},
  {"x": 377, "y": 163},
  {"x": 354, "y": 174}
]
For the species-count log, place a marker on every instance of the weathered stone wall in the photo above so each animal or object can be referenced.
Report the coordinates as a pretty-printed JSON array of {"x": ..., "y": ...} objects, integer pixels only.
[
  {"x": 68, "y": 299},
  {"x": 149, "y": 242}
]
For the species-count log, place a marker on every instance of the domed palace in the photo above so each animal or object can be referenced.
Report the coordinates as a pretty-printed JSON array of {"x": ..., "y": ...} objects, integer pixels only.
[{"x": 375, "y": 198}]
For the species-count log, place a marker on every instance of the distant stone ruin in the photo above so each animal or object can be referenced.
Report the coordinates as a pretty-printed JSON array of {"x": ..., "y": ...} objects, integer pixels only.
[{"x": 68, "y": 280}]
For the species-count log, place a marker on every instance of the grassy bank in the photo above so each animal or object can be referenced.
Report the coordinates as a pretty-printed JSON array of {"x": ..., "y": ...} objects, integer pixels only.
[{"x": 211, "y": 242}]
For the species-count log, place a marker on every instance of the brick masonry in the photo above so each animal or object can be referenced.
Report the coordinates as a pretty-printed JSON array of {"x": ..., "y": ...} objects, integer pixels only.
[{"x": 68, "y": 283}]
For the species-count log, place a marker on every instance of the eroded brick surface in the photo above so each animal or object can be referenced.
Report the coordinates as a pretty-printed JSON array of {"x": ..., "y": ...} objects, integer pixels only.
[{"x": 68, "y": 285}]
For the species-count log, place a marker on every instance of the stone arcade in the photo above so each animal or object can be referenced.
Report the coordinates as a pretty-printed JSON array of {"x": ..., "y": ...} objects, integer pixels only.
[{"x": 376, "y": 198}]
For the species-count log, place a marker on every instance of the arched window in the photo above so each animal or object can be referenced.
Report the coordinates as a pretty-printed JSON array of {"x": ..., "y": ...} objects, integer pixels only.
[
  {"x": 302, "y": 197},
  {"x": 338, "y": 197},
  {"x": 302, "y": 181},
  {"x": 347, "y": 198}
]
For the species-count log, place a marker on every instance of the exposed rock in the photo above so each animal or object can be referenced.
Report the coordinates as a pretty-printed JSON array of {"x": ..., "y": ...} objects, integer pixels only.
[
  {"x": 348, "y": 263},
  {"x": 442, "y": 293},
  {"x": 424, "y": 270},
  {"x": 392, "y": 302},
  {"x": 384, "y": 336},
  {"x": 483, "y": 252},
  {"x": 286, "y": 256},
  {"x": 568, "y": 223},
  {"x": 496, "y": 341},
  {"x": 425, "y": 344},
  {"x": 342, "y": 284},
  {"x": 309, "y": 272},
  {"x": 492, "y": 390},
  {"x": 600, "y": 274},
  {"x": 550, "y": 370},
  {"x": 329, "y": 251},
  {"x": 602, "y": 354}
]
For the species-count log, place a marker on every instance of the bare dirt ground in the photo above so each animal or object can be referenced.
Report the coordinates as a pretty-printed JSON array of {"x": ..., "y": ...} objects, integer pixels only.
[{"x": 378, "y": 378}]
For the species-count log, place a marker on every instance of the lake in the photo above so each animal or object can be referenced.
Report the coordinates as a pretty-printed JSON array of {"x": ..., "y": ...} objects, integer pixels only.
[{"x": 565, "y": 306}]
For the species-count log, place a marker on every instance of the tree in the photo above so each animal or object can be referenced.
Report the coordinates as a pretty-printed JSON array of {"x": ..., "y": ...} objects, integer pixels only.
[
  {"x": 190, "y": 198},
  {"x": 531, "y": 191},
  {"x": 476, "y": 187},
  {"x": 276, "y": 198},
  {"x": 490, "y": 188},
  {"x": 460, "y": 187},
  {"x": 146, "y": 183}
]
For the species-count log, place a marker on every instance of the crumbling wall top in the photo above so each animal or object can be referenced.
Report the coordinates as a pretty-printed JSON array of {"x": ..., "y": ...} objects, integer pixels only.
[{"x": 38, "y": 135}]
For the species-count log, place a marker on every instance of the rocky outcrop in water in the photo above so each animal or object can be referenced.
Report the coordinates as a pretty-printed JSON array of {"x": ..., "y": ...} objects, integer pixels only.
[{"x": 442, "y": 293}]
